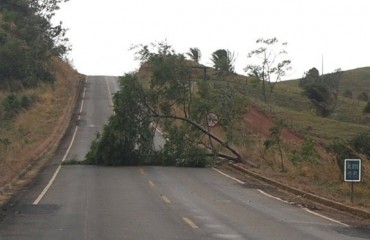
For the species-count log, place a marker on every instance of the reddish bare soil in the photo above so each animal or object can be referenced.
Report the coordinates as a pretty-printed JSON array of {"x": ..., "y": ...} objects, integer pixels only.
[{"x": 259, "y": 123}]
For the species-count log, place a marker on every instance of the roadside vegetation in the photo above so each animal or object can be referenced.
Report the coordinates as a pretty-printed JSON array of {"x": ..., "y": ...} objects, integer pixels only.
[
  {"x": 298, "y": 132},
  {"x": 171, "y": 101},
  {"x": 36, "y": 84}
]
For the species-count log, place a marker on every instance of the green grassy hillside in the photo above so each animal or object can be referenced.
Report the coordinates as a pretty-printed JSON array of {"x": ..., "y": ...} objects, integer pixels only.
[{"x": 348, "y": 118}]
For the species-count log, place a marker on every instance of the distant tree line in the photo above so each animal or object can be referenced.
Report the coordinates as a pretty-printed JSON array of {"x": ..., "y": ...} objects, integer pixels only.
[{"x": 28, "y": 42}]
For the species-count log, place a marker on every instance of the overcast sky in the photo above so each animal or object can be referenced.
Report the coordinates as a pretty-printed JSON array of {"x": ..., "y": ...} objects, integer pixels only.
[{"x": 102, "y": 31}]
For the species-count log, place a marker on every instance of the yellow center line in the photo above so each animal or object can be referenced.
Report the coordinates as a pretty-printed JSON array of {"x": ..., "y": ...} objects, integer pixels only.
[
  {"x": 142, "y": 171},
  {"x": 190, "y": 223},
  {"x": 151, "y": 184},
  {"x": 166, "y": 199}
]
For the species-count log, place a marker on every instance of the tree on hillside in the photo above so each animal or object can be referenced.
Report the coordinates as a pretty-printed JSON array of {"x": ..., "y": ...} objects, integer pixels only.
[
  {"x": 168, "y": 101},
  {"x": 194, "y": 54},
  {"x": 321, "y": 90},
  {"x": 275, "y": 139},
  {"x": 312, "y": 76},
  {"x": 223, "y": 61},
  {"x": 28, "y": 42},
  {"x": 270, "y": 64}
]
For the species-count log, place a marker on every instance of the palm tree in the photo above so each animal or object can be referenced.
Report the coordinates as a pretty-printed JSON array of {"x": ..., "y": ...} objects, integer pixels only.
[
  {"x": 194, "y": 54},
  {"x": 223, "y": 61}
]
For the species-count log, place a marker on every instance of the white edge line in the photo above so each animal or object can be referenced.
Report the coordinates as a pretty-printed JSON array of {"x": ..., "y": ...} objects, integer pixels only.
[
  {"x": 281, "y": 200},
  {"x": 228, "y": 176},
  {"x": 325, "y": 217},
  {"x": 70, "y": 144},
  {"x": 273, "y": 197},
  {"x": 38, "y": 199},
  {"x": 42, "y": 194},
  {"x": 305, "y": 209}
]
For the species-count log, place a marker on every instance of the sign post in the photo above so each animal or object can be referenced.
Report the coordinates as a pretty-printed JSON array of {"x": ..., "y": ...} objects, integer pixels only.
[
  {"x": 212, "y": 119},
  {"x": 352, "y": 172}
]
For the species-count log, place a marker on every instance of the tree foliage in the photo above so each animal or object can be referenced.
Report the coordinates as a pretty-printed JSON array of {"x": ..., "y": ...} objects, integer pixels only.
[
  {"x": 321, "y": 90},
  {"x": 343, "y": 150},
  {"x": 310, "y": 77},
  {"x": 275, "y": 139},
  {"x": 126, "y": 139},
  {"x": 168, "y": 100},
  {"x": 223, "y": 61},
  {"x": 361, "y": 143},
  {"x": 194, "y": 54},
  {"x": 306, "y": 153},
  {"x": 367, "y": 108},
  {"x": 270, "y": 64},
  {"x": 28, "y": 41}
]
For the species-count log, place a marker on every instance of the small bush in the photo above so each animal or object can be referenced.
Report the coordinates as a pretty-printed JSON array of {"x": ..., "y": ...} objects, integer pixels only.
[
  {"x": 361, "y": 143},
  {"x": 367, "y": 108},
  {"x": 342, "y": 151},
  {"x": 347, "y": 93},
  {"x": 306, "y": 153},
  {"x": 5, "y": 142},
  {"x": 15, "y": 103},
  {"x": 12, "y": 104},
  {"x": 363, "y": 96}
]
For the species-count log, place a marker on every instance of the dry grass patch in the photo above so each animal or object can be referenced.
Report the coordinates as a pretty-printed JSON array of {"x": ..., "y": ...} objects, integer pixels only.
[{"x": 32, "y": 131}]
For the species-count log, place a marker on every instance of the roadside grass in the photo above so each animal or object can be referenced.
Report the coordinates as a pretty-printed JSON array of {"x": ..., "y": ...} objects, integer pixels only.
[{"x": 32, "y": 130}]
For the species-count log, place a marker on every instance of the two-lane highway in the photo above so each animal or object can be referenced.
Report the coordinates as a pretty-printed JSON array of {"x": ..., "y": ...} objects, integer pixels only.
[{"x": 91, "y": 202}]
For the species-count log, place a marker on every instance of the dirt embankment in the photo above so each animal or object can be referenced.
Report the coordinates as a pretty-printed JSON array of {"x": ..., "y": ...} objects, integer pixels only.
[
  {"x": 322, "y": 176},
  {"x": 259, "y": 123}
]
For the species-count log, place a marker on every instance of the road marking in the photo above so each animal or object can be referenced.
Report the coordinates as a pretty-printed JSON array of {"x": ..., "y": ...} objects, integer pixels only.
[
  {"x": 151, "y": 184},
  {"x": 110, "y": 96},
  {"x": 325, "y": 217},
  {"x": 38, "y": 199},
  {"x": 166, "y": 199},
  {"x": 306, "y": 209},
  {"x": 190, "y": 223},
  {"x": 51, "y": 181},
  {"x": 142, "y": 171},
  {"x": 273, "y": 197},
  {"x": 82, "y": 102},
  {"x": 228, "y": 176}
]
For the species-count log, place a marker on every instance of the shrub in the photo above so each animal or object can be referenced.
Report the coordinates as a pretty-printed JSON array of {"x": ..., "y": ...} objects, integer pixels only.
[
  {"x": 14, "y": 103},
  {"x": 363, "y": 97},
  {"x": 342, "y": 151},
  {"x": 367, "y": 108},
  {"x": 11, "y": 103},
  {"x": 361, "y": 143},
  {"x": 306, "y": 153},
  {"x": 347, "y": 93}
]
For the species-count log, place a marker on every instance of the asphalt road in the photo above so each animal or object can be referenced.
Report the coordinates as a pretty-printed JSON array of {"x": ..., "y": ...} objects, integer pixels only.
[{"x": 89, "y": 202}]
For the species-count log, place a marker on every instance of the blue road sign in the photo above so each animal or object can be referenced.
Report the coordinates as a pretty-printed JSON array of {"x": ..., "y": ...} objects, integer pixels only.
[{"x": 352, "y": 170}]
